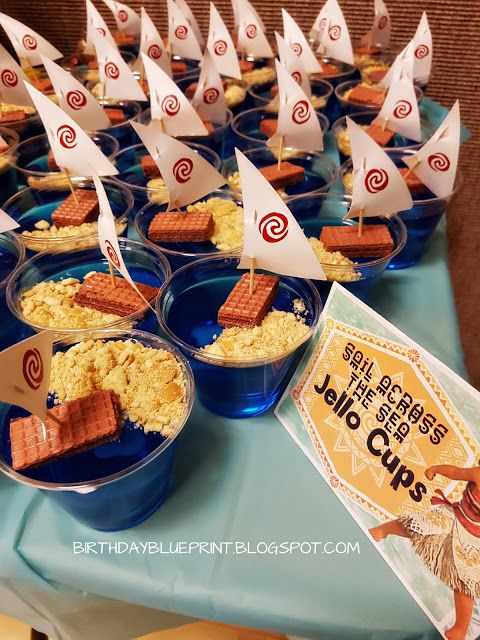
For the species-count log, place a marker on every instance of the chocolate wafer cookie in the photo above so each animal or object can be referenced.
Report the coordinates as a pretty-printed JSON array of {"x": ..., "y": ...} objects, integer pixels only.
[
  {"x": 413, "y": 182},
  {"x": 366, "y": 95},
  {"x": 375, "y": 241},
  {"x": 96, "y": 292},
  {"x": 242, "y": 309},
  {"x": 381, "y": 135},
  {"x": 51, "y": 162},
  {"x": 178, "y": 66},
  {"x": 287, "y": 175},
  {"x": 268, "y": 126},
  {"x": 82, "y": 424},
  {"x": 71, "y": 213},
  {"x": 190, "y": 90},
  {"x": 12, "y": 116},
  {"x": 195, "y": 226},
  {"x": 149, "y": 168},
  {"x": 116, "y": 116}
]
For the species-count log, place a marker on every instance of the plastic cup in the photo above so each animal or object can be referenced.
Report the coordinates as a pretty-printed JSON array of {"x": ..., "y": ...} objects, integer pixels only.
[
  {"x": 263, "y": 71},
  {"x": 262, "y": 97},
  {"x": 123, "y": 132},
  {"x": 246, "y": 127},
  {"x": 8, "y": 175},
  {"x": 30, "y": 126},
  {"x": 320, "y": 171},
  {"x": 187, "y": 311},
  {"x": 335, "y": 72},
  {"x": 347, "y": 107},
  {"x": 236, "y": 103},
  {"x": 12, "y": 254},
  {"x": 364, "y": 118},
  {"x": 86, "y": 75},
  {"x": 322, "y": 210},
  {"x": 29, "y": 206},
  {"x": 213, "y": 141},
  {"x": 421, "y": 220},
  {"x": 147, "y": 265},
  {"x": 116, "y": 485},
  {"x": 131, "y": 174},
  {"x": 180, "y": 253},
  {"x": 192, "y": 67},
  {"x": 31, "y": 160}
]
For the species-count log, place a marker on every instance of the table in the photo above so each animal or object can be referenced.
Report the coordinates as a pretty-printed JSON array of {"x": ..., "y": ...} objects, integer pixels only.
[{"x": 241, "y": 480}]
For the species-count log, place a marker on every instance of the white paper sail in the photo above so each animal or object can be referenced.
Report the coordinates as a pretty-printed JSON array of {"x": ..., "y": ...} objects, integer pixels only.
[
  {"x": 192, "y": 21},
  {"x": 25, "y": 373},
  {"x": 400, "y": 109},
  {"x": 126, "y": 19},
  {"x": 181, "y": 36},
  {"x": 117, "y": 79},
  {"x": 272, "y": 235},
  {"x": 6, "y": 222},
  {"x": 220, "y": 46},
  {"x": 297, "y": 119},
  {"x": 75, "y": 99},
  {"x": 12, "y": 87},
  {"x": 169, "y": 105},
  {"x": 320, "y": 22},
  {"x": 378, "y": 187},
  {"x": 73, "y": 150},
  {"x": 187, "y": 176},
  {"x": 335, "y": 38},
  {"x": 151, "y": 44},
  {"x": 251, "y": 37},
  {"x": 95, "y": 25},
  {"x": 381, "y": 28},
  {"x": 28, "y": 44},
  {"x": 293, "y": 65},
  {"x": 209, "y": 98},
  {"x": 404, "y": 61},
  {"x": 423, "y": 50},
  {"x": 436, "y": 162},
  {"x": 298, "y": 43}
]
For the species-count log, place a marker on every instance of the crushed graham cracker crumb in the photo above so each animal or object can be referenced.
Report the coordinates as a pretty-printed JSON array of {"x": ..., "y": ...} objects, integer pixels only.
[
  {"x": 334, "y": 259},
  {"x": 234, "y": 94},
  {"x": 259, "y": 76},
  {"x": 149, "y": 382},
  {"x": 157, "y": 191},
  {"x": 228, "y": 220}
]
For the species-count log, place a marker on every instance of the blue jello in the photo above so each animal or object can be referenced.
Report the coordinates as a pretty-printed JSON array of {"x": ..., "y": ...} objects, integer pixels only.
[{"x": 12, "y": 254}]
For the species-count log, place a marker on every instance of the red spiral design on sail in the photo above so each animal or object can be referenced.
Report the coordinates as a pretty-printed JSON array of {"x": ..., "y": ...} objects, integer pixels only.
[
  {"x": 376, "y": 180},
  {"x": 170, "y": 105},
  {"x": 9, "y": 78},
  {"x": 402, "y": 109},
  {"x": 273, "y": 227},
  {"x": 182, "y": 170},
  {"x": 76, "y": 99},
  {"x": 220, "y": 47},
  {"x": 297, "y": 76},
  {"x": 29, "y": 42},
  {"x": 112, "y": 71},
  {"x": 323, "y": 24},
  {"x": 382, "y": 22},
  {"x": 301, "y": 112},
  {"x": 181, "y": 32},
  {"x": 112, "y": 254},
  {"x": 211, "y": 95},
  {"x": 154, "y": 51},
  {"x": 438, "y": 161},
  {"x": 251, "y": 31},
  {"x": 123, "y": 15},
  {"x": 335, "y": 32},
  {"x": 32, "y": 368},
  {"x": 422, "y": 51},
  {"x": 297, "y": 48},
  {"x": 66, "y": 136},
  {"x": 101, "y": 31}
]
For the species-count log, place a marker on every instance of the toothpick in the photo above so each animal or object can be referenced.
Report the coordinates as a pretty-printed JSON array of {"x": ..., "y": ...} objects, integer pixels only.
[
  {"x": 280, "y": 152},
  {"x": 417, "y": 162},
  {"x": 102, "y": 94},
  {"x": 112, "y": 275},
  {"x": 70, "y": 184},
  {"x": 360, "y": 223},
  {"x": 252, "y": 275}
]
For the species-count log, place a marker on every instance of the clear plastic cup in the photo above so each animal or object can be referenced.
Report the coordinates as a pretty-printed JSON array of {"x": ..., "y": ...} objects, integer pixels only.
[
  {"x": 421, "y": 220},
  {"x": 263, "y": 70},
  {"x": 30, "y": 206},
  {"x": 181, "y": 253},
  {"x": 214, "y": 140},
  {"x": 131, "y": 174},
  {"x": 347, "y": 107},
  {"x": 246, "y": 127},
  {"x": 187, "y": 311},
  {"x": 263, "y": 97},
  {"x": 320, "y": 171},
  {"x": 322, "y": 210},
  {"x": 237, "y": 99},
  {"x": 123, "y": 132},
  {"x": 31, "y": 160},
  {"x": 147, "y": 265},
  {"x": 116, "y": 485},
  {"x": 8, "y": 175},
  {"x": 12, "y": 254},
  {"x": 335, "y": 72},
  {"x": 86, "y": 75},
  {"x": 364, "y": 118},
  {"x": 190, "y": 66},
  {"x": 31, "y": 125}
]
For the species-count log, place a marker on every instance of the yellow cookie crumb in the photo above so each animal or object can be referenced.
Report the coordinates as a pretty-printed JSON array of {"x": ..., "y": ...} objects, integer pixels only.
[
  {"x": 234, "y": 95},
  {"x": 259, "y": 76},
  {"x": 228, "y": 222},
  {"x": 149, "y": 382},
  {"x": 234, "y": 178},
  {"x": 334, "y": 259},
  {"x": 347, "y": 180},
  {"x": 157, "y": 191}
]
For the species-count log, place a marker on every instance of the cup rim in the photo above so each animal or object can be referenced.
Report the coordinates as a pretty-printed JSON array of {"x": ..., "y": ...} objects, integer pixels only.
[
  {"x": 219, "y": 129},
  {"x": 92, "y": 485},
  {"x": 315, "y": 81},
  {"x": 12, "y": 148},
  {"x": 18, "y": 244},
  {"x": 13, "y": 303},
  {"x": 120, "y": 103},
  {"x": 223, "y": 361},
  {"x": 59, "y": 241},
  {"x": 349, "y": 84},
  {"x": 350, "y": 68}
]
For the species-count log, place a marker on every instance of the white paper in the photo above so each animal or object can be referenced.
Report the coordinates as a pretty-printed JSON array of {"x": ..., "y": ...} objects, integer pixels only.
[
  {"x": 272, "y": 235},
  {"x": 221, "y": 47},
  {"x": 293, "y": 65},
  {"x": 235, "y": 14},
  {"x": 423, "y": 50},
  {"x": 12, "y": 87},
  {"x": 381, "y": 26},
  {"x": 25, "y": 373},
  {"x": 209, "y": 98},
  {"x": 404, "y": 61},
  {"x": 335, "y": 38},
  {"x": 170, "y": 105},
  {"x": 151, "y": 44},
  {"x": 95, "y": 25},
  {"x": 126, "y": 19},
  {"x": 187, "y": 176},
  {"x": 400, "y": 108},
  {"x": 75, "y": 99},
  {"x": 181, "y": 36},
  {"x": 7, "y": 223},
  {"x": 438, "y": 158},
  {"x": 192, "y": 21},
  {"x": 72, "y": 148},
  {"x": 28, "y": 44},
  {"x": 251, "y": 38},
  {"x": 298, "y": 43},
  {"x": 320, "y": 22},
  {"x": 297, "y": 120},
  {"x": 117, "y": 79}
]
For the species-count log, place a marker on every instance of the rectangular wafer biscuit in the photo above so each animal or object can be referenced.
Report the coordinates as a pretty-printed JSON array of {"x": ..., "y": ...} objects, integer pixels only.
[
  {"x": 82, "y": 424},
  {"x": 42, "y": 84},
  {"x": 190, "y": 90},
  {"x": 246, "y": 66},
  {"x": 96, "y": 292},
  {"x": 116, "y": 116},
  {"x": 377, "y": 75},
  {"x": 381, "y": 135},
  {"x": 149, "y": 167},
  {"x": 169, "y": 226},
  {"x": 287, "y": 175},
  {"x": 268, "y": 126},
  {"x": 366, "y": 95},
  {"x": 375, "y": 241},
  {"x": 12, "y": 116},
  {"x": 413, "y": 182},
  {"x": 242, "y": 309},
  {"x": 71, "y": 213},
  {"x": 178, "y": 66},
  {"x": 327, "y": 70}
]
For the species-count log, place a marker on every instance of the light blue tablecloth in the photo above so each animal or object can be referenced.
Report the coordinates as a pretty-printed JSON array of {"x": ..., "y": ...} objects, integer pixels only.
[{"x": 239, "y": 480}]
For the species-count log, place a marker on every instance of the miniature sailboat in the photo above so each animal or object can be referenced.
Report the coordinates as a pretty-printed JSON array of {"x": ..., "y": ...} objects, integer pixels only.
[
  {"x": 151, "y": 44},
  {"x": 293, "y": 65},
  {"x": 252, "y": 40},
  {"x": 28, "y": 44},
  {"x": 187, "y": 176},
  {"x": 181, "y": 36},
  {"x": 423, "y": 51},
  {"x": 7, "y": 223},
  {"x": 96, "y": 25},
  {"x": 404, "y": 61},
  {"x": 12, "y": 87},
  {"x": 294, "y": 38},
  {"x": 192, "y": 21},
  {"x": 209, "y": 98},
  {"x": 320, "y": 23},
  {"x": 335, "y": 39},
  {"x": 379, "y": 34},
  {"x": 127, "y": 20},
  {"x": 220, "y": 46}
]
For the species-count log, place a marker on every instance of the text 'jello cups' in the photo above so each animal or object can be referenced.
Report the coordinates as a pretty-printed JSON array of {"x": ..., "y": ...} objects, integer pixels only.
[
  {"x": 12, "y": 254},
  {"x": 248, "y": 382},
  {"x": 120, "y": 483}
]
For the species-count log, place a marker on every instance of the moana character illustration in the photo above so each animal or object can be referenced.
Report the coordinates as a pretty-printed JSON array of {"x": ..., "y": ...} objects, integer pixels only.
[{"x": 447, "y": 539}]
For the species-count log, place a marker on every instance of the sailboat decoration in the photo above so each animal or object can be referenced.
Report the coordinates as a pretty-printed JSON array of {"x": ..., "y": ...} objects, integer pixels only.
[
  {"x": 96, "y": 25},
  {"x": 12, "y": 87},
  {"x": 181, "y": 37},
  {"x": 28, "y": 44},
  {"x": 187, "y": 176},
  {"x": 435, "y": 164},
  {"x": 192, "y": 21},
  {"x": 7, "y": 223},
  {"x": 220, "y": 46},
  {"x": 378, "y": 187},
  {"x": 320, "y": 23},
  {"x": 379, "y": 34},
  {"x": 404, "y": 60},
  {"x": 209, "y": 98},
  {"x": 335, "y": 39},
  {"x": 75, "y": 99},
  {"x": 126, "y": 19},
  {"x": 294, "y": 38},
  {"x": 151, "y": 44},
  {"x": 252, "y": 40},
  {"x": 293, "y": 65},
  {"x": 423, "y": 51},
  {"x": 170, "y": 109}
]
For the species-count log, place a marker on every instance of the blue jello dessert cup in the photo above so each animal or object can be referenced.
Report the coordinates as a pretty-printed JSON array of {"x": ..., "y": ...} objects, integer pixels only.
[
  {"x": 323, "y": 210},
  {"x": 263, "y": 96},
  {"x": 236, "y": 91},
  {"x": 118, "y": 484},
  {"x": 187, "y": 310},
  {"x": 146, "y": 265},
  {"x": 12, "y": 254},
  {"x": 347, "y": 106},
  {"x": 8, "y": 175},
  {"x": 335, "y": 72}
]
